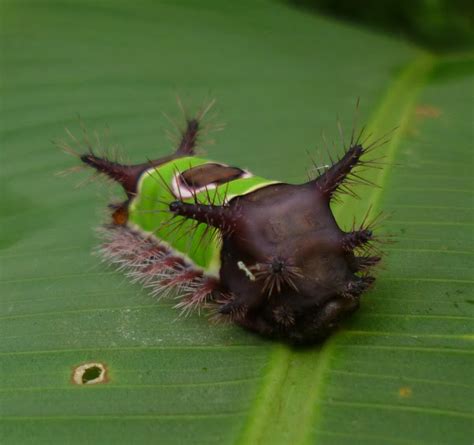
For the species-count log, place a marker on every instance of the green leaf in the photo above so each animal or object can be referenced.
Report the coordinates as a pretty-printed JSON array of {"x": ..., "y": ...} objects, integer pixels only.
[{"x": 398, "y": 372}]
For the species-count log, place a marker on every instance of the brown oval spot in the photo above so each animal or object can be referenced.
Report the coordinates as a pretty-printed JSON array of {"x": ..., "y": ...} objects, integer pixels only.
[
  {"x": 89, "y": 374},
  {"x": 427, "y": 111},
  {"x": 405, "y": 392}
]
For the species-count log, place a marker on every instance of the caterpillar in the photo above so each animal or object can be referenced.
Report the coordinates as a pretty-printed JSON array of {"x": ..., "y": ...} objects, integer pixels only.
[{"x": 264, "y": 254}]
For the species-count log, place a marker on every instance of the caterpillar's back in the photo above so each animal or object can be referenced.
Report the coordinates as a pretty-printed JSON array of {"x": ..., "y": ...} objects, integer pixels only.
[{"x": 264, "y": 254}]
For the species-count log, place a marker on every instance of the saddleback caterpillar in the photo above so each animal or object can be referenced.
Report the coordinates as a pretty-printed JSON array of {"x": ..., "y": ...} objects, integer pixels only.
[{"x": 264, "y": 254}]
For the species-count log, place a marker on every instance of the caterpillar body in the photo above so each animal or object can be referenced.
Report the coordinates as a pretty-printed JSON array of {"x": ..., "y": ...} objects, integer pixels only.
[{"x": 264, "y": 254}]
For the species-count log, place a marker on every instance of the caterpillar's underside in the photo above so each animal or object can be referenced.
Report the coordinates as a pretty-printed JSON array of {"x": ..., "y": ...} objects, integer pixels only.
[{"x": 266, "y": 255}]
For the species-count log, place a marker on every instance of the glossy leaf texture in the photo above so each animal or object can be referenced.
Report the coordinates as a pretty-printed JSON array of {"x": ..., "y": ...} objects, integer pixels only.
[{"x": 400, "y": 371}]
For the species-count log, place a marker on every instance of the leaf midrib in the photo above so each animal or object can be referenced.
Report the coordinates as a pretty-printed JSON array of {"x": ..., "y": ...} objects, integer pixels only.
[{"x": 285, "y": 410}]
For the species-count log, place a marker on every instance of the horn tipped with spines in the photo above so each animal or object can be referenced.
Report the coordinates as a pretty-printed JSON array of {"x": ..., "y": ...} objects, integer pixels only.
[
  {"x": 126, "y": 175},
  {"x": 355, "y": 288},
  {"x": 221, "y": 217},
  {"x": 334, "y": 176},
  {"x": 358, "y": 238}
]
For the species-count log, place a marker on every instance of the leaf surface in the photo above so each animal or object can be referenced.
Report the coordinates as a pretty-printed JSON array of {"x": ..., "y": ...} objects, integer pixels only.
[{"x": 398, "y": 372}]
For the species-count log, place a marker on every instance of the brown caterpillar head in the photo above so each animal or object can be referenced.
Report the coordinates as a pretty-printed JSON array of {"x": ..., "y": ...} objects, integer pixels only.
[
  {"x": 281, "y": 244},
  {"x": 289, "y": 269},
  {"x": 286, "y": 257}
]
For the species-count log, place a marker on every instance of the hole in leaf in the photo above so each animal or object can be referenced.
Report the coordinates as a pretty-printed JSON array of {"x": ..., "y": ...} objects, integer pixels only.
[{"x": 89, "y": 374}]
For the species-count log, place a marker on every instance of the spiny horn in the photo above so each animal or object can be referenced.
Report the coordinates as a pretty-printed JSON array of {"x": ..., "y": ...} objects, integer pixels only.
[
  {"x": 189, "y": 138},
  {"x": 220, "y": 217},
  {"x": 126, "y": 175},
  {"x": 356, "y": 287},
  {"x": 356, "y": 239},
  {"x": 329, "y": 181}
]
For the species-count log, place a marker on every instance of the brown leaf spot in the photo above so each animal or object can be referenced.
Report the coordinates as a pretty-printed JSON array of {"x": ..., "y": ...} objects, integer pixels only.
[
  {"x": 427, "y": 111},
  {"x": 405, "y": 392}
]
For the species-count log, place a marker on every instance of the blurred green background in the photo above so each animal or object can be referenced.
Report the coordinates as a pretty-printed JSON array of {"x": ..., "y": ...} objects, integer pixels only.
[
  {"x": 398, "y": 372},
  {"x": 441, "y": 25}
]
